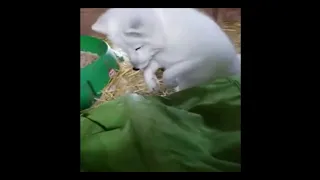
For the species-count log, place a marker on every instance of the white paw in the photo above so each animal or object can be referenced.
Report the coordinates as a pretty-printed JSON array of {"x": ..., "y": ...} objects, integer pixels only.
[
  {"x": 153, "y": 84},
  {"x": 177, "y": 89},
  {"x": 170, "y": 83}
]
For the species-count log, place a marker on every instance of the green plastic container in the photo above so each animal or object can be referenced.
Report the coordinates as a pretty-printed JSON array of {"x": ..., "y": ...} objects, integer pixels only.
[{"x": 95, "y": 76}]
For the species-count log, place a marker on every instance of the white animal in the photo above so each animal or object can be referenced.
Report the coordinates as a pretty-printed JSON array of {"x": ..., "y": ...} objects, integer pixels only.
[{"x": 189, "y": 45}]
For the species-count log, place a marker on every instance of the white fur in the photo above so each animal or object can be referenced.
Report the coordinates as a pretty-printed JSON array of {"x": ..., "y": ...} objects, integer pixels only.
[
  {"x": 239, "y": 56},
  {"x": 188, "y": 44}
]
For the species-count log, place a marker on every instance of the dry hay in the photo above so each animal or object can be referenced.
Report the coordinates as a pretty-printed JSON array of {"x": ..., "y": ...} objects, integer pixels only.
[{"x": 129, "y": 81}]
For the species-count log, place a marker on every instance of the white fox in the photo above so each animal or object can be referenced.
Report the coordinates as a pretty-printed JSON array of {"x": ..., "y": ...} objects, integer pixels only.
[{"x": 189, "y": 45}]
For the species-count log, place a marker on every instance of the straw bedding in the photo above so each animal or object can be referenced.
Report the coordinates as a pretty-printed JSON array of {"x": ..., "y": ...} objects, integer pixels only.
[{"x": 129, "y": 81}]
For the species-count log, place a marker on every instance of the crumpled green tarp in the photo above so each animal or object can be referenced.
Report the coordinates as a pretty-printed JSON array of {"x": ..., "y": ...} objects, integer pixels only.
[{"x": 193, "y": 130}]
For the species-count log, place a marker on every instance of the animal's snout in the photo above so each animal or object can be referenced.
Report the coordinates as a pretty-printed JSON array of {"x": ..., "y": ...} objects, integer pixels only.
[{"x": 135, "y": 69}]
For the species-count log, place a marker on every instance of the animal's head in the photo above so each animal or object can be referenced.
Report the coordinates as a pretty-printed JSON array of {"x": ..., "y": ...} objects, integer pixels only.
[{"x": 134, "y": 31}]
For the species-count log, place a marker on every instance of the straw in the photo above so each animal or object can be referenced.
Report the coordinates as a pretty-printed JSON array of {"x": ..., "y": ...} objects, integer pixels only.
[{"x": 127, "y": 80}]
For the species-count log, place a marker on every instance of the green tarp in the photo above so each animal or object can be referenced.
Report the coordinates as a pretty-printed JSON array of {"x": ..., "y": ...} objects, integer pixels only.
[{"x": 190, "y": 131}]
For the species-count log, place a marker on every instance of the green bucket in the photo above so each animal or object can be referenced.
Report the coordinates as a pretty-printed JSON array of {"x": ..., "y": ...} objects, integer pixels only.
[{"x": 95, "y": 76}]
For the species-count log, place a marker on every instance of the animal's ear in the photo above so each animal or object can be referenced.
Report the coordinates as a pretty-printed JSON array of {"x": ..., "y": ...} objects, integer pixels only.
[
  {"x": 101, "y": 25},
  {"x": 98, "y": 27},
  {"x": 134, "y": 27}
]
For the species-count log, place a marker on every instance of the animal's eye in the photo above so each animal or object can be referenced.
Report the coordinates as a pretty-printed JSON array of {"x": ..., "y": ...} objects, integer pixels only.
[{"x": 138, "y": 48}]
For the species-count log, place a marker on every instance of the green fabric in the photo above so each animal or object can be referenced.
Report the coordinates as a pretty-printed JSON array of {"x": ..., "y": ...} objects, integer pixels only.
[{"x": 194, "y": 130}]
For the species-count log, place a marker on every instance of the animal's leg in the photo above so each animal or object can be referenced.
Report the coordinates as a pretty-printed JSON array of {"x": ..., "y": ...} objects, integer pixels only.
[
  {"x": 171, "y": 74},
  {"x": 189, "y": 81},
  {"x": 177, "y": 89},
  {"x": 195, "y": 76},
  {"x": 150, "y": 77},
  {"x": 183, "y": 84}
]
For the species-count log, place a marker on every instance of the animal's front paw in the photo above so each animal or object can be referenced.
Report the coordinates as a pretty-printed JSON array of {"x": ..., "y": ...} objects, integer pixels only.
[
  {"x": 170, "y": 82},
  {"x": 177, "y": 89},
  {"x": 152, "y": 84}
]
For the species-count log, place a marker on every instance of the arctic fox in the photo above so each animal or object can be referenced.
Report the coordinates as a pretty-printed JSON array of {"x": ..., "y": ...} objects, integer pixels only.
[{"x": 189, "y": 45}]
